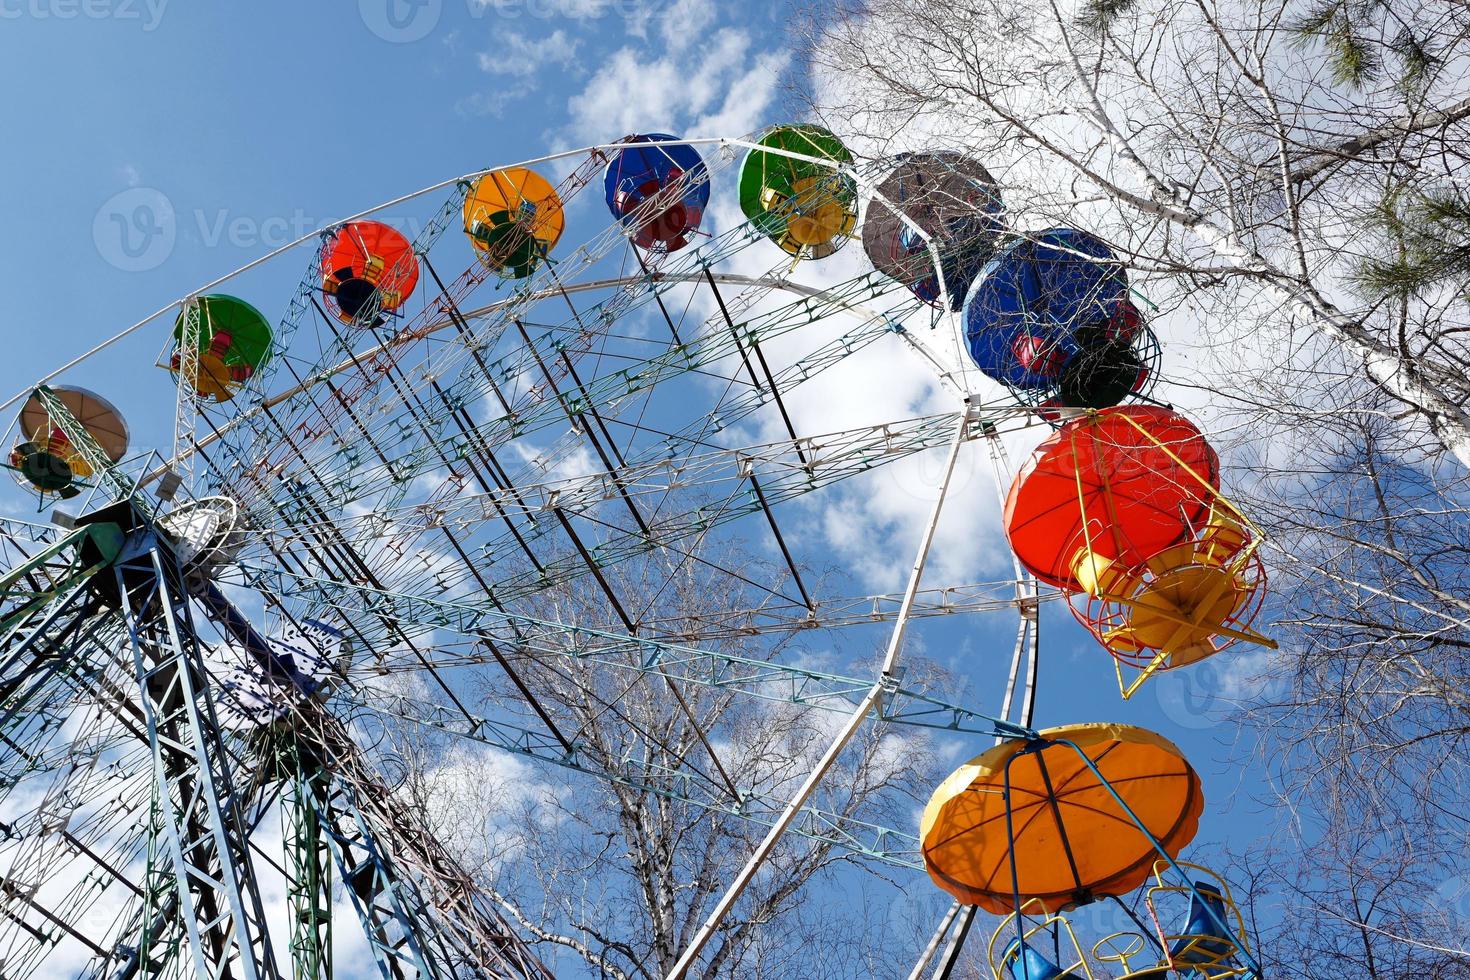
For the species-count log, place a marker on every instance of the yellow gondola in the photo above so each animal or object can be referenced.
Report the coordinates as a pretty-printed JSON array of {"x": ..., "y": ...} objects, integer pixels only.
[
  {"x": 513, "y": 218},
  {"x": 1044, "y": 819}
]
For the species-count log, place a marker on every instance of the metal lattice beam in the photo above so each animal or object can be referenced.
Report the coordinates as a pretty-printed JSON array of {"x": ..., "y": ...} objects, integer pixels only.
[
  {"x": 200, "y": 819},
  {"x": 884, "y": 844},
  {"x": 538, "y": 638}
]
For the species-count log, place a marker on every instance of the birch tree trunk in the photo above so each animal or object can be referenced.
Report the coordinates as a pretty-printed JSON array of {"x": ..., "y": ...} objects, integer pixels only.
[{"x": 1202, "y": 137}]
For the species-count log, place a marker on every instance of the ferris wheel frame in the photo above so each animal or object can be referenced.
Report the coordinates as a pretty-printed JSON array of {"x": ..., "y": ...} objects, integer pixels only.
[
  {"x": 864, "y": 181},
  {"x": 886, "y": 682}
]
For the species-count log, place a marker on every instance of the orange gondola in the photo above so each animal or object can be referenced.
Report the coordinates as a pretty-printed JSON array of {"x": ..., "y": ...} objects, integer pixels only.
[
  {"x": 513, "y": 218},
  {"x": 1043, "y": 820}
]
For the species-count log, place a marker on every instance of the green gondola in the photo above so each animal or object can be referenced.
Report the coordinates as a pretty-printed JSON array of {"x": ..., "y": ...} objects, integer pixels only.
[
  {"x": 233, "y": 342},
  {"x": 807, "y": 208}
]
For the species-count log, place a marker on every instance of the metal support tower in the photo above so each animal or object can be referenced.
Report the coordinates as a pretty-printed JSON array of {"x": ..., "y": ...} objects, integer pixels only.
[
  {"x": 204, "y": 837},
  {"x": 327, "y": 830},
  {"x": 186, "y": 401},
  {"x": 307, "y": 848}
]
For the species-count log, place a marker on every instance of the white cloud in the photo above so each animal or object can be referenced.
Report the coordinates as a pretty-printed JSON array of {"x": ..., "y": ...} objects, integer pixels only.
[
  {"x": 493, "y": 103},
  {"x": 583, "y": 9},
  {"x": 520, "y": 56},
  {"x": 478, "y": 798},
  {"x": 635, "y": 13},
  {"x": 1250, "y": 673},
  {"x": 543, "y": 9},
  {"x": 728, "y": 93},
  {"x": 517, "y": 62},
  {"x": 685, "y": 21}
]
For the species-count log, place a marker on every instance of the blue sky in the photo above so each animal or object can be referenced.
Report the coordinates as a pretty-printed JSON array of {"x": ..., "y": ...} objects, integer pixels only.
[
  {"x": 153, "y": 148},
  {"x": 252, "y": 124}
]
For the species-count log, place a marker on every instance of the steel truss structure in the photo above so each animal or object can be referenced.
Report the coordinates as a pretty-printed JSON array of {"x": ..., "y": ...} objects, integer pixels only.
[{"x": 508, "y": 487}]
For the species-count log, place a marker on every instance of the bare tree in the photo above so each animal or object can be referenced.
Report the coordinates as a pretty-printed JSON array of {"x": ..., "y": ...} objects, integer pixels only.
[
  {"x": 1217, "y": 143},
  {"x": 1375, "y": 548},
  {"x": 1360, "y": 904},
  {"x": 1365, "y": 733},
  {"x": 1286, "y": 179},
  {"x": 618, "y": 873}
]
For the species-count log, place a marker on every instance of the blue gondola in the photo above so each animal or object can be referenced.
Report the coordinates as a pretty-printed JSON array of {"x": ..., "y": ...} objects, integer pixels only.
[
  {"x": 1201, "y": 945},
  {"x": 1023, "y": 962},
  {"x": 1026, "y": 316},
  {"x": 671, "y": 176}
]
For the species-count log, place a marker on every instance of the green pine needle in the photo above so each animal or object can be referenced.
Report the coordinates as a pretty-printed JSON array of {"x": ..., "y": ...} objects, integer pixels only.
[
  {"x": 1417, "y": 64},
  {"x": 1431, "y": 234},
  {"x": 1354, "y": 60},
  {"x": 1314, "y": 23},
  {"x": 1100, "y": 14}
]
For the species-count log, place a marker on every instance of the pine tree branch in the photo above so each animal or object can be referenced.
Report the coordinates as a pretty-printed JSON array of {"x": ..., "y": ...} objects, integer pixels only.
[{"x": 1421, "y": 386}]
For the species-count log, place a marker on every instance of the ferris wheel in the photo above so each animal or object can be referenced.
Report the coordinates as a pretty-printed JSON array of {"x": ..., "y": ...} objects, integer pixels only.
[{"x": 480, "y": 454}]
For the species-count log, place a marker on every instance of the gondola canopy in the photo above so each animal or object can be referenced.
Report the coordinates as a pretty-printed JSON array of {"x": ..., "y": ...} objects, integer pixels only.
[
  {"x": 806, "y": 206},
  {"x": 956, "y": 202},
  {"x": 1037, "y": 810},
  {"x": 56, "y": 454},
  {"x": 368, "y": 272},
  {"x": 1030, "y": 310},
  {"x": 1117, "y": 485},
  {"x": 513, "y": 218},
  {"x": 658, "y": 189},
  {"x": 231, "y": 340}
]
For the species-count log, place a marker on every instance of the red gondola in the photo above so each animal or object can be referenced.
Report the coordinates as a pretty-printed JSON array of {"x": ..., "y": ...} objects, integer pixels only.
[
  {"x": 1112, "y": 488},
  {"x": 1121, "y": 509},
  {"x": 368, "y": 270}
]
